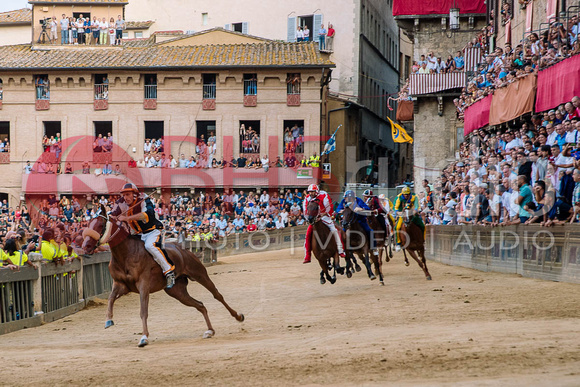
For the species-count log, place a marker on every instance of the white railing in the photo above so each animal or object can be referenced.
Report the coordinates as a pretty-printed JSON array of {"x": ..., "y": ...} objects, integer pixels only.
[
  {"x": 293, "y": 88},
  {"x": 150, "y": 91},
  {"x": 102, "y": 91},
  {"x": 250, "y": 87},
  {"x": 208, "y": 91}
]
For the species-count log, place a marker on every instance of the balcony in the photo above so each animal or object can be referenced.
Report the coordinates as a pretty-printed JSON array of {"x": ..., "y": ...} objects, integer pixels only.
[
  {"x": 101, "y": 96},
  {"x": 42, "y": 97},
  {"x": 42, "y": 183},
  {"x": 250, "y": 92},
  {"x": 150, "y": 98},
  {"x": 209, "y": 92},
  {"x": 420, "y": 84}
]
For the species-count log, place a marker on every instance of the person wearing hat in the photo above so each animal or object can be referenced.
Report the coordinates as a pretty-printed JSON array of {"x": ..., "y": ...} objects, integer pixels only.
[
  {"x": 404, "y": 201},
  {"x": 138, "y": 211}
]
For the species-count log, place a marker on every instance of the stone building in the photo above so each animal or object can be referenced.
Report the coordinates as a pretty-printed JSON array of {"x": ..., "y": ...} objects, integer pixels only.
[
  {"x": 436, "y": 130},
  {"x": 15, "y": 26},
  {"x": 179, "y": 90}
]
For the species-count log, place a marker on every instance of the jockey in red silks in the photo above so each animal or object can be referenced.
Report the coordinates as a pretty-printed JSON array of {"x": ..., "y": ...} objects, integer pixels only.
[{"x": 326, "y": 213}]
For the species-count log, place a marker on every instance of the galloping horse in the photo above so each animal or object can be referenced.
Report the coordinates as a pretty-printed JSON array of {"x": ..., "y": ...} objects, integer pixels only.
[
  {"x": 134, "y": 270},
  {"x": 413, "y": 240},
  {"x": 358, "y": 243},
  {"x": 323, "y": 244}
]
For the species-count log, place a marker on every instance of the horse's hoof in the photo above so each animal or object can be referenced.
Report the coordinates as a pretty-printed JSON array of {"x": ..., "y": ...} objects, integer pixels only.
[
  {"x": 143, "y": 342},
  {"x": 241, "y": 317},
  {"x": 109, "y": 323},
  {"x": 332, "y": 280},
  {"x": 382, "y": 283},
  {"x": 358, "y": 268},
  {"x": 406, "y": 263},
  {"x": 429, "y": 278},
  {"x": 373, "y": 277},
  {"x": 322, "y": 281},
  {"x": 348, "y": 274},
  {"x": 208, "y": 334}
]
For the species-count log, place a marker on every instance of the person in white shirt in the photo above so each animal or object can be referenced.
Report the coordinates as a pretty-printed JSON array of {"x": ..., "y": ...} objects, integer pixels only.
[
  {"x": 551, "y": 140},
  {"x": 299, "y": 34},
  {"x": 449, "y": 215},
  {"x": 98, "y": 170},
  {"x": 279, "y": 223},
  {"x": 431, "y": 62},
  {"x": 104, "y": 27},
  {"x": 571, "y": 133},
  {"x": 513, "y": 142},
  {"x": 147, "y": 146},
  {"x": 306, "y": 34},
  {"x": 265, "y": 163},
  {"x": 53, "y": 26},
  {"x": 182, "y": 161},
  {"x": 264, "y": 197}
]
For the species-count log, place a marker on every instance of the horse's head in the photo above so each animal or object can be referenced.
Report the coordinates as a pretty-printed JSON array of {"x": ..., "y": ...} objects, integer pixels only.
[
  {"x": 348, "y": 216},
  {"x": 312, "y": 211},
  {"x": 94, "y": 234}
]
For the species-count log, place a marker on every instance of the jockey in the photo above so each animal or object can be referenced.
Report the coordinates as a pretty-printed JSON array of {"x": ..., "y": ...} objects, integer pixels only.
[
  {"x": 362, "y": 211},
  {"x": 138, "y": 211},
  {"x": 381, "y": 205},
  {"x": 327, "y": 214},
  {"x": 405, "y": 201}
]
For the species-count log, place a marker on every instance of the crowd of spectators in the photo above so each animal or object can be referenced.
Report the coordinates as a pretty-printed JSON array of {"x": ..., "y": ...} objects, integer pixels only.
[
  {"x": 503, "y": 66},
  {"x": 202, "y": 217},
  {"x": 529, "y": 173},
  {"x": 83, "y": 30},
  {"x": 294, "y": 139}
]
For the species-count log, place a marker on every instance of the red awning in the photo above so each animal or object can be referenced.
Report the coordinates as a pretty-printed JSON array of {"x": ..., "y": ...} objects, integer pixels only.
[
  {"x": 477, "y": 115},
  {"x": 436, "y": 7},
  {"x": 558, "y": 84}
]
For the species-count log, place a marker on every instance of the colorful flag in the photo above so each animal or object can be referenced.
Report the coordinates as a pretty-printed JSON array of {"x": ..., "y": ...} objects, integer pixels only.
[
  {"x": 331, "y": 143},
  {"x": 399, "y": 134}
]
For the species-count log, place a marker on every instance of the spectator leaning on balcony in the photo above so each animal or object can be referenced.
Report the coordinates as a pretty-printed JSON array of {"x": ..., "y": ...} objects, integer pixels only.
[
  {"x": 424, "y": 69},
  {"x": 459, "y": 61}
]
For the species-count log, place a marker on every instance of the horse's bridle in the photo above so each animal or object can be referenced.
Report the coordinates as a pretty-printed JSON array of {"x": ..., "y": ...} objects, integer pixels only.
[
  {"x": 317, "y": 217},
  {"x": 345, "y": 224},
  {"x": 95, "y": 235}
]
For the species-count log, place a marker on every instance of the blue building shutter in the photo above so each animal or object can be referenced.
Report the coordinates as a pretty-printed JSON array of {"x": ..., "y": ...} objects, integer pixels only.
[
  {"x": 316, "y": 27},
  {"x": 245, "y": 28}
]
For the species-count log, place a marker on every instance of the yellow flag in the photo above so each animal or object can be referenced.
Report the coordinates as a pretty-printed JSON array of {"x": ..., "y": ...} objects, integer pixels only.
[{"x": 399, "y": 134}]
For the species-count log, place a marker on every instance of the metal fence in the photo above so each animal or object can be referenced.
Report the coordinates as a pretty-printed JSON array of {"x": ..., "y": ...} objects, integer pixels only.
[
  {"x": 209, "y": 91},
  {"x": 60, "y": 286},
  {"x": 16, "y": 295},
  {"x": 43, "y": 92},
  {"x": 102, "y": 91},
  {"x": 250, "y": 87},
  {"x": 150, "y": 91},
  {"x": 96, "y": 276}
]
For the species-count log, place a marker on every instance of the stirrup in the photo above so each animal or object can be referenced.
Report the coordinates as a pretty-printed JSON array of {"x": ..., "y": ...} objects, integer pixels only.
[{"x": 170, "y": 278}]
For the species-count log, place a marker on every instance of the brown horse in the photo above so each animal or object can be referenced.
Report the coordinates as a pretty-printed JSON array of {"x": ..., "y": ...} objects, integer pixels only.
[
  {"x": 323, "y": 244},
  {"x": 413, "y": 240},
  {"x": 357, "y": 242},
  {"x": 134, "y": 270}
]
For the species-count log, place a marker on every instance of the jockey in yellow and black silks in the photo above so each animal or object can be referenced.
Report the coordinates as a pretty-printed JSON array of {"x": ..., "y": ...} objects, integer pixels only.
[{"x": 404, "y": 201}]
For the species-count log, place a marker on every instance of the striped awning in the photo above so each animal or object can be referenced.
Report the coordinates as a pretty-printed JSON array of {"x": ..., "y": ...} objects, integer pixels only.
[
  {"x": 432, "y": 83},
  {"x": 473, "y": 56}
]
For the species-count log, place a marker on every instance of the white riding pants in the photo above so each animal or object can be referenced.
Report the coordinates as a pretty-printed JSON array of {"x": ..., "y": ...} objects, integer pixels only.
[{"x": 152, "y": 241}]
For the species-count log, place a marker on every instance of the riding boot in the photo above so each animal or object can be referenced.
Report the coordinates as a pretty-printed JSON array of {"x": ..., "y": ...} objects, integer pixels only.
[
  {"x": 170, "y": 278},
  {"x": 308, "y": 244}
]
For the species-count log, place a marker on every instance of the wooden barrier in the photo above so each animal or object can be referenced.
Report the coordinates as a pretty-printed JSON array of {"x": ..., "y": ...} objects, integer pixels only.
[{"x": 537, "y": 252}]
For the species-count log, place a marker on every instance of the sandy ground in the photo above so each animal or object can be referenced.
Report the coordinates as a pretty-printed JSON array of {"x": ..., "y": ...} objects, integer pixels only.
[{"x": 464, "y": 327}]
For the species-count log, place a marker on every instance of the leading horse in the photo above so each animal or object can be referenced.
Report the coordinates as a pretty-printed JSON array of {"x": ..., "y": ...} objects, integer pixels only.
[{"x": 134, "y": 270}]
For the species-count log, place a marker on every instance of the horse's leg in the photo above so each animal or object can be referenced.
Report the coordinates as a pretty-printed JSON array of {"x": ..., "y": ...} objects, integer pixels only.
[
  {"x": 144, "y": 298},
  {"x": 379, "y": 267},
  {"x": 356, "y": 265},
  {"x": 117, "y": 291},
  {"x": 422, "y": 255},
  {"x": 331, "y": 279},
  {"x": 349, "y": 268},
  {"x": 203, "y": 279},
  {"x": 420, "y": 263},
  {"x": 406, "y": 259},
  {"x": 179, "y": 292},
  {"x": 322, "y": 279},
  {"x": 367, "y": 263}
]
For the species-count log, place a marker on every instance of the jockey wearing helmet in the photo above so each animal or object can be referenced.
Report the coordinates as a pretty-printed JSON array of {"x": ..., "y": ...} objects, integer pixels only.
[
  {"x": 405, "y": 201},
  {"x": 138, "y": 211},
  {"x": 326, "y": 213},
  {"x": 362, "y": 211},
  {"x": 381, "y": 205}
]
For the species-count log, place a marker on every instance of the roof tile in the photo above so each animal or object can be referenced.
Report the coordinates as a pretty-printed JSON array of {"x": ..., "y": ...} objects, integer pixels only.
[{"x": 23, "y": 15}]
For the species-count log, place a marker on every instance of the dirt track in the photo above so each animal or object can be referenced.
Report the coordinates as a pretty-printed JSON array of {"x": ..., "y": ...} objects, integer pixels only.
[{"x": 464, "y": 326}]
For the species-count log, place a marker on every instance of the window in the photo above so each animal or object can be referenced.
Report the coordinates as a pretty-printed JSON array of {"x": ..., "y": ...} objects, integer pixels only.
[
  {"x": 237, "y": 27},
  {"x": 307, "y": 22},
  {"x": 293, "y": 136},
  {"x": 4, "y": 136},
  {"x": 154, "y": 133},
  {"x": 125, "y": 35},
  {"x": 150, "y": 86},
  {"x": 204, "y": 19},
  {"x": 250, "y": 84},
  {"x": 52, "y": 129},
  {"x": 249, "y": 136},
  {"x": 1, "y": 93},
  {"x": 293, "y": 83},
  {"x": 209, "y": 86},
  {"x": 103, "y": 136},
  {"x": 205, "y": 130},
  {"x": 42, "y": 85},
  {"x": 138, "y": 34},
  {"x": 51, "y": 141},
  {"x": 407, "y": 66},
  {"x": 101, "y": 86}
]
